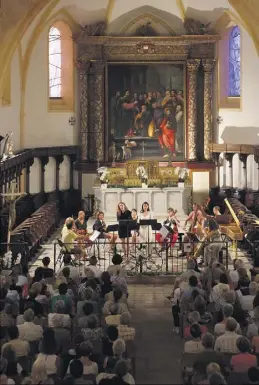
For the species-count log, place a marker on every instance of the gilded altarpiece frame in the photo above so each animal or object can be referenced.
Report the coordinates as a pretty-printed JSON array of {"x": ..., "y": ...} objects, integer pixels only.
[{"x": 94, "y": 55}]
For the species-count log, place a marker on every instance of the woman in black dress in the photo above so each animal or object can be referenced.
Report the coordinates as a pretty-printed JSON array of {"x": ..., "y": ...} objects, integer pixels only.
[
  {"x": 123, "y": 214},
  {"x": 100, "y": 225}
]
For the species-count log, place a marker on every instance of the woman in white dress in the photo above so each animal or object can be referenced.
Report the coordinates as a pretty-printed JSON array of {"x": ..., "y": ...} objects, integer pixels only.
[{"x": 145, "y": 232}]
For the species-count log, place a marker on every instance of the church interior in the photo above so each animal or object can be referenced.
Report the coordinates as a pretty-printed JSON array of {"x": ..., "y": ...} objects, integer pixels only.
[{"x": 129, "y": 147}]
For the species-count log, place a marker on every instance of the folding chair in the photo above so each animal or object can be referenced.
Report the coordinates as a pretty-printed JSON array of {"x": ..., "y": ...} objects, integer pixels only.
[{"x": 64, "y": 251}]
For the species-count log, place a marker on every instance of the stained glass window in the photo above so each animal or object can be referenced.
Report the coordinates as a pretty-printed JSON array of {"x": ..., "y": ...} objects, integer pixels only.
[
  {"x": 54, "y": 63},
  {"x": 234, "y": 63}
]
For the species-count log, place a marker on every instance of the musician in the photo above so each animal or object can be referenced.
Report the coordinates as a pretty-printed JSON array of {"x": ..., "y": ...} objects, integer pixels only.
[
  {"x": 69, "y": 236},
  {"x": 123, "y": 214},
  {"x": 100, "y": 225},
  {"x": 216, "y": 211},
  {"x": 171, "y": 223},
  {"x": 214, "y": 242},
  {"x": 81, "y": 223},
  {"x": 196, "y": 212}
]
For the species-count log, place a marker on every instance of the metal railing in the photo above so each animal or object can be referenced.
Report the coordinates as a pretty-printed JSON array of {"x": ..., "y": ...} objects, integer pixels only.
[
  {"x": 16, "y": 248},
  {"x": 148, "y": 258}
]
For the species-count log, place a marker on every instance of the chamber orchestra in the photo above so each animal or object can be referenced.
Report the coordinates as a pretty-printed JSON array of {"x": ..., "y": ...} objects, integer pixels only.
[{"x": 199, "y": 237}]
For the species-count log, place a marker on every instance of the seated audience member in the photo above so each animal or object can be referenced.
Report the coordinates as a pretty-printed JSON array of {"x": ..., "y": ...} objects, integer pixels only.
[
  {"x": 117, "y": 298},
  {"x": 220, "y": 327},
  {"x": 93, "y": 266},
  {"x": 246, "y": 301},
  {"x": 119, "y": 349},
  {"x": 194, "y": 345},
  {"x": 6, "y": 317},
  {"x": 255, "y": 342},
  {"x": 13, "y": 370},
  {"x": 3, "y": 377},
  {"x": 217, "y": 379},
  {"x": 106, "y": 285},
  {"x": 45, "y": 270},
  {"x": 227, "y": 342},
  {"x": 39, "y": 372},
  {"x": 62, "y": 335},
  {"x": 239, "y": 314},
  {"x": 116, "y": 269},
  {"x": 12, "y": 295},
  {"x": 31, "y": 303},
  {"x": 23, "y": 277},
  {"x": 244, "y": 360},
  {"x": 252, "y": 329},
  {"x": 243, "y": 281},
  {"x": 233, "y": 274},
  {"x": 208, "y": 355},
  {"x": 87, "y": 310},
  {"x": 193, "y": 285},
  {"x": 200, "y": 307},
  {"x": 74, "y": 271},
  {"x": 48, "y": 350},
  {"x": 62, "y": 296},
  {"x": 59, "y": 310},
  {"x": 92, "y": 332},
  {"x": 20, "y": 347},
  {"x": 108, "y": 340},
  {"x": 28, "y": 331},
  {"x": 76, "y": 370},
  {"x": 87, "y": 296},
  {"x": 220, "y": 289},
  {"x": 253, "y": 376},
  {"x": 121, "y": 370},
  {"x": 113, "y": 318},
  {"x": 126, "y": 332},
  {"x": 90, "y": 367},
  {"x": 77, "y": 340},
  {"x": 194, "y": 318},
  {"x": 184, "y": 277}
]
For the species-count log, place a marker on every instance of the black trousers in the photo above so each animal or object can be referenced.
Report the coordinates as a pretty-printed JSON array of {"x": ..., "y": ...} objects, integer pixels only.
[{"x": 176, "y": 315}]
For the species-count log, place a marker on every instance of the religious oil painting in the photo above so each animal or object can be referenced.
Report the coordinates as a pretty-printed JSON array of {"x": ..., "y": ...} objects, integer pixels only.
[{"x": 146, "y": 111}]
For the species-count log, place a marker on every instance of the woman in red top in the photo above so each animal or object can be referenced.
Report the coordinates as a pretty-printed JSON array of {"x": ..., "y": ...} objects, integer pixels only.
[{"x": 244, "y": 360}]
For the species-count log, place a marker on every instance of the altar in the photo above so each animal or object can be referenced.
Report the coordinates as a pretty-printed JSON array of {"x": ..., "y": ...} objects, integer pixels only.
[{"x": 159, "y": 199}]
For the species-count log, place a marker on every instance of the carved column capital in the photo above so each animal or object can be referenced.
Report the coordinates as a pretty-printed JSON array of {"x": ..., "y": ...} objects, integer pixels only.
[
  {"x": 229, "y": 158},
  {"x": 243, "y": 159},
  {"x": 97, "y": 67},
  {"x": 193, "y": 65},
  {"x": 44, "y": 161},
  {"x": 208, "y": 64},
  {"x": 256, "y": 159}
]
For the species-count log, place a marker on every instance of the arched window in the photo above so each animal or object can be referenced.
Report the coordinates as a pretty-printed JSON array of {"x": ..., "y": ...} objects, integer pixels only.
[
  {"x": 234, "y": 63},
  {"x": 55, "y": 59},
  {"x": 61, "y": 68}
]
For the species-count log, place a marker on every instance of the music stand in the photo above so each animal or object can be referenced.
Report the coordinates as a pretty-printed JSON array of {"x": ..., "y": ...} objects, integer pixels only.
[
  {"x": 148, "y": 222},
  {"x": 157, "y": 226},
  {"x": 112, "y": 228},
  {"x": 129, "y": 223}
]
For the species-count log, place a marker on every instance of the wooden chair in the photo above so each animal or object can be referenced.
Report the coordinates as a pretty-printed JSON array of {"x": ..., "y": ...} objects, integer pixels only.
[{"x": 131, "y": 354}]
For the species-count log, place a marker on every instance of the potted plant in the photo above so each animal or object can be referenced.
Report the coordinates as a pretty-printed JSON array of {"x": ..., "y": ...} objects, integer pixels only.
[{"x": 103, "y": 176}]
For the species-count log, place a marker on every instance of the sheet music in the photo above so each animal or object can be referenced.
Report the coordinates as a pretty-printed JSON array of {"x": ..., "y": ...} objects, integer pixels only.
[
  {"x": 94, "y": 236},
  {"x": 164, "y": 231}
]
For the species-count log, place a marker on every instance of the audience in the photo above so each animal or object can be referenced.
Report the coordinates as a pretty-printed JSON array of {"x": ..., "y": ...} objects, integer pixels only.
[
  {"x": 227, "y": 342},
  {"x": 244, "y": 360}
]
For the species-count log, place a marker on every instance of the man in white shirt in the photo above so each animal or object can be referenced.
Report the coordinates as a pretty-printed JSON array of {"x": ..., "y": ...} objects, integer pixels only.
[
  {"x": 92, "y": 266},
  {"x": 29, "y": 331},
  {"x": 246, "y": 301},
  {"x": 227, "y": 342}
]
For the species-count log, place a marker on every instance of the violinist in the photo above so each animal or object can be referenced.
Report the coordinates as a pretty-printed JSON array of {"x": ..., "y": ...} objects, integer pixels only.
[
  {"x": 100, "y": 226},
  {"x": 171, "y": 224}
]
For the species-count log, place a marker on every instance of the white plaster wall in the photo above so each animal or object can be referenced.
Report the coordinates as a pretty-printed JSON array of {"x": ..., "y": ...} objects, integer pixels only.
[
  {"x": 35, "y": 172},
  {"x": 64, "y": 174},
  {"x": 44, "y": 128},
  {"x": 88, "y": 184},
  {"x": 200, "y": 186},
  {"x": 50, "y": 175},
  {"x": 10, "y": 115},
  {"x": 237, "y": 172}
]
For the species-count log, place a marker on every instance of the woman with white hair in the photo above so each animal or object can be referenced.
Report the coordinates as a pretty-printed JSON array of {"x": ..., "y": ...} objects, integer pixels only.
[
  {"x": 126, "y": 332},
  {"x": 220, "y": 327},
  {"x": 121, "y": 370},
  {"x": 246, "y": 301},
  {"x": 59, "y": 310}
]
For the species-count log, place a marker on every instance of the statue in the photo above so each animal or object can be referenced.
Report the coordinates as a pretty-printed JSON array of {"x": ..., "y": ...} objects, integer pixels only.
[
  {"x": 195, "y": 27},
  {"x": 7, "y": 147}
]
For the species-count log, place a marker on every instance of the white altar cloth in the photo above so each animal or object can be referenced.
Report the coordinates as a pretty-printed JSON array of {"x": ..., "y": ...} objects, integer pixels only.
[{"x": 158, "y": 199}]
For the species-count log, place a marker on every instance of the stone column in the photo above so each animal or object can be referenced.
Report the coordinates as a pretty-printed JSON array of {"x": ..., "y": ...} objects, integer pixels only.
[
  {"x": 83, "y": 69},
  {"x": 256, "y": 159},
  {"x": 192, "y": 68},
  {"x": 215, "y": 158},
  {"x": 27, "y": 175},
  {"x": 229, "y": 159},
  {"x": 208, "y": 66},
  {"x": 243, "y": 160},
  {"x": 71, "y": 175},
  {"x": 96, "y": 129},
  {"x": 59, "y": 159},
  {"x": 44, "y": 161}
]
